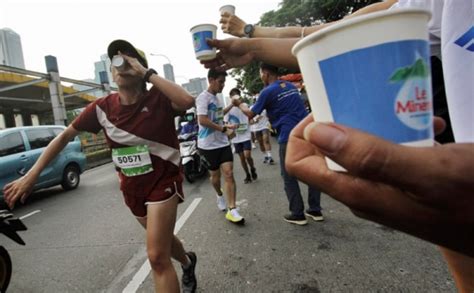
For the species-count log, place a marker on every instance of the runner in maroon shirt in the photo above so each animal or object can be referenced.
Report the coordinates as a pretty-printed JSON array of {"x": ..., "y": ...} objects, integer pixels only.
[{"x": 139, "y": 128}]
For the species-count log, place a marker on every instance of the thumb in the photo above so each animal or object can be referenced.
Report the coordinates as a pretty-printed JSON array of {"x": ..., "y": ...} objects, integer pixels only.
[
  {"x": 215, "y": 43},
  {"x": 371, "y": 157}
]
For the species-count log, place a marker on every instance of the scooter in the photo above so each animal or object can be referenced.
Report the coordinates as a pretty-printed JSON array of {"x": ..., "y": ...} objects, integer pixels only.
[
  {"x": 195, "y": 166},
  {"x": 8, "y": 227}
]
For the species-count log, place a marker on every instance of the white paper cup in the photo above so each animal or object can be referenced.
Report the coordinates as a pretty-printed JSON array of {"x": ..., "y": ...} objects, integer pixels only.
[
  {"x": 199, "y": 34},
  {"x": 372, "y": 73},
  {"x": 227, "y": 8}
]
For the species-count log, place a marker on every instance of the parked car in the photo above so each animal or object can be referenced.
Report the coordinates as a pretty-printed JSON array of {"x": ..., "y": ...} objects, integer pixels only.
[{"x": 20, "y": 147}]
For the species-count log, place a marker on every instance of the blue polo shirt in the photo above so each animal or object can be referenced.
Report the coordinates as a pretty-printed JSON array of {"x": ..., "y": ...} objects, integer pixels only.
[{"x": 284, "y": 107}]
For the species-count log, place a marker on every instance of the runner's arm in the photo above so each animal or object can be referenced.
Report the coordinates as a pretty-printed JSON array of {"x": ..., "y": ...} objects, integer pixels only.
[
  {"x": 206, "y": 122},
  {"x": 179, "y": 97},
  {"x": 23, "y": 186}
]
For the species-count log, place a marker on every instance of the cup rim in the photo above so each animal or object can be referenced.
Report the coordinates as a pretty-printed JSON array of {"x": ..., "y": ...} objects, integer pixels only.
[
  {"x": 203, "y": 24},
  {"x": 228, "y": 5},
  {"x": 353, "y": 21}
]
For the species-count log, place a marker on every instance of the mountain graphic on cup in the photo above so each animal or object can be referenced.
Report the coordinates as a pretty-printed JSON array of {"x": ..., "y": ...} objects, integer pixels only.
[{"x": 413, "y": 105}]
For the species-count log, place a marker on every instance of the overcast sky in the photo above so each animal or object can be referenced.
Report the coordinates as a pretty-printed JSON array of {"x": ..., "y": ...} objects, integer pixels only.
[{"x": 78, "y": 32}]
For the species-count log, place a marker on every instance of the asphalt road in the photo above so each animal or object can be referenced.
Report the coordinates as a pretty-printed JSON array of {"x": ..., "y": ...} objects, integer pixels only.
[{"x": 86, "y": 240}]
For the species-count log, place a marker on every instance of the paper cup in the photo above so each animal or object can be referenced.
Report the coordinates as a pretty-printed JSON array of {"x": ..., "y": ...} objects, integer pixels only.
[
  {"x": 227, "y": 8},
  {"x": 199, "y": 34},
  {"x": 372, "y": 73}
]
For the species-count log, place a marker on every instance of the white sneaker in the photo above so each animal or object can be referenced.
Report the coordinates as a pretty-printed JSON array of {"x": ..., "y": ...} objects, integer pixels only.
[
  {"x": 234, "y": 216},
  {"x": 221, "y": 205}
]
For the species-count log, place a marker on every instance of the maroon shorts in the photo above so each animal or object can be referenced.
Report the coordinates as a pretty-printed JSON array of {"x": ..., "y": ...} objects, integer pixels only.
[{"x": 162, "y": 193}]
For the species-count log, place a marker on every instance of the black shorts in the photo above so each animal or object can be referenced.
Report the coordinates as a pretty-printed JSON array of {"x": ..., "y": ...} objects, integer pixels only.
[
  {"x": 217, "y": 157},
  {"x": 242, "y": 146}
]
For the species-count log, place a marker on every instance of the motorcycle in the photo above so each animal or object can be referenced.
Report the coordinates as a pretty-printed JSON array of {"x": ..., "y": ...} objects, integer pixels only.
[
  {"x": 8, "y": 226},
  {"x": 194, "y": 165}
]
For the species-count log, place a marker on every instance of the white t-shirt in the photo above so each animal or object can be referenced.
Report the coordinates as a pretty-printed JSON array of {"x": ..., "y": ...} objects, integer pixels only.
[
  {"x": 457, "y": 48},
  {"x": 213, "y": 107},
  {"x": 434, "y": 25},
  {"x": 236, "y": 116},
  {"x": 452, "y": 27},
  {"x": 262, "y": 122}
]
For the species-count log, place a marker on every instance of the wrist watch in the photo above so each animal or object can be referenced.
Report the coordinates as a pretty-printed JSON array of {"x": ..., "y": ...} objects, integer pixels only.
[
  {"x": 149, "y": 73},
  {"x": 224, "y": 129},
  {"x": 248, "y": 30}
]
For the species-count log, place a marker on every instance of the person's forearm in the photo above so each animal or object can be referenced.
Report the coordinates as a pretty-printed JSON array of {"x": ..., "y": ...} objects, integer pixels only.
[
  {"x": 177, "y": 95},
  {"x": 277, "y": 32},
  {"x": 246, "y": 111},
  {"x": 206, "y": 122},
  {"x": 264, "y": 50},
  {"x": 227, "y": 109},
  {"x": 51, "y": 151}
]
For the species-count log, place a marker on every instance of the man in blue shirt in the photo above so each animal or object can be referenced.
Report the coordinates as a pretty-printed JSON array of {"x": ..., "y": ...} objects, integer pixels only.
[{"x": 285, "y": 110}]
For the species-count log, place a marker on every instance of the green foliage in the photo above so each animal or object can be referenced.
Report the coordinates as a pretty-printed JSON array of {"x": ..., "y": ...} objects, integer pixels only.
[{"x": 295, "y": 13}]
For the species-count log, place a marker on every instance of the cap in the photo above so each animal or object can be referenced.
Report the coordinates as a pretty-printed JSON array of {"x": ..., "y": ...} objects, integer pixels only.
[{"x": 128, "y": 49}]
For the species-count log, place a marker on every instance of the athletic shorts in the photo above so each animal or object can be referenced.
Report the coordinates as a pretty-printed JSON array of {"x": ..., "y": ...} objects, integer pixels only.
[
  {"x": 137, "y": 203},
  {"x": 242, "y": 146},
  {"x": 217, "y": 157}
]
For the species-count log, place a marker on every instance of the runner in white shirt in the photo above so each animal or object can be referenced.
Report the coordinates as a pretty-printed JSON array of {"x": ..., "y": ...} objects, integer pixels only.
[
  {"x": 262, "y": 133},
  {"x": 213, "y": 142},
  {"x": 242, "y": 140}
]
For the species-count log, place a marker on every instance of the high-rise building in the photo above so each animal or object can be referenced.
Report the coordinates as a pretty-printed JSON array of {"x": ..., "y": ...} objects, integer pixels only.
[
  {"x": 169, "y": 72},
  {"x": 11, "y": 52},
  {"x": 195, "y": 86},
  {"x": 103, "y": 65}
]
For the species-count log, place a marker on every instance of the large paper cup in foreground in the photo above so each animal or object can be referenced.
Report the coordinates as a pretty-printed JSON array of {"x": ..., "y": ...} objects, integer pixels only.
[
  {"x": 199, "y": 34},
  {"x": 372, "y": 73}
]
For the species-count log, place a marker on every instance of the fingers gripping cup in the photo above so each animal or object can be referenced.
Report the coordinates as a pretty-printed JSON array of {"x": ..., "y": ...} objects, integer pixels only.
[
  {"x": 372, "y": 73},
  {"x": 199, "y": 34},
  {"x": 227, "y": 8}
]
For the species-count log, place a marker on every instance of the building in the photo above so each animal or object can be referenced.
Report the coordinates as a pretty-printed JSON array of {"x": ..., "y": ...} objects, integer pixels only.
[
  {"x": 169, "y": 72},
  {"x": 195, "y": 86},
  {"x": 11, "y": 52}
]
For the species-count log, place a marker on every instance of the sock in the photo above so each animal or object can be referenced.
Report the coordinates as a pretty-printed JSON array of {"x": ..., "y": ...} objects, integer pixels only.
[
  {"x": 188, "y": 265},
  {"x": 269, "y": 154}
]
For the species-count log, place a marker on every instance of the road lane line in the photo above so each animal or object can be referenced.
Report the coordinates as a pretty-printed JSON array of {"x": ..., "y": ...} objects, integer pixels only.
[
  {"x": 145, "y": 269},
  {"x": 30, "y": 214}
]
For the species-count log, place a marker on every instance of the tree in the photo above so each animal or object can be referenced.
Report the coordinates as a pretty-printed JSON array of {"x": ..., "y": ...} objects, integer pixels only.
[{"x": 295, "y": 13}]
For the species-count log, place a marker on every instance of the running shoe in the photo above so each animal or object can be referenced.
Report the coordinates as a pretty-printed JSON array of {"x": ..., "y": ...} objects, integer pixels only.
[
  {"x": 221, "y": 205},
  {"x": 270, "y": 161},
  {"x": 266, "y": 160},
  {"x": 254, "y": 173},
  {"x": 188, "y": 280},
  {"x": 234, "y": 216},
  {"x": 317, "y": 216},
  {"x": 247, "y": 179},
  {"x": 297, "y": 220}
]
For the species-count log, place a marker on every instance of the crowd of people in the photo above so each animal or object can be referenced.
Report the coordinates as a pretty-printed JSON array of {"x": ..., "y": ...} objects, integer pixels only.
[{"x": 426, "y": 192}]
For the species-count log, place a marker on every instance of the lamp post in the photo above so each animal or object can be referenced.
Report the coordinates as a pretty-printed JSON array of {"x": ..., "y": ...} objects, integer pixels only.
[{"x": 167, "y": 67}]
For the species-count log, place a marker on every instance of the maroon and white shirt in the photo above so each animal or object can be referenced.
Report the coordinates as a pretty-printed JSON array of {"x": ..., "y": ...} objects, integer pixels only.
[{"x": 148, "y": 122}]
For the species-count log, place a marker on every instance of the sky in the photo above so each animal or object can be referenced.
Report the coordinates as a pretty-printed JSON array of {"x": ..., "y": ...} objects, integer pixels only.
[{"x": 78, "y": 32}]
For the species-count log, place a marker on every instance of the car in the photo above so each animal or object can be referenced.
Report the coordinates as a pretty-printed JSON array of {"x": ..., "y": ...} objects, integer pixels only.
[{"x": 20, "y": 147}]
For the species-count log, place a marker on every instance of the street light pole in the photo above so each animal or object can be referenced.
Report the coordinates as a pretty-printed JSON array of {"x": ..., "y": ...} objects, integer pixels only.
[{"x": 167, "y": 67}]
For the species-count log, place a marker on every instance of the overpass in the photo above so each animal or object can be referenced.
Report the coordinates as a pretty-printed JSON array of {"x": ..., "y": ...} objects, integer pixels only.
[{"x": 46, "y": 95}]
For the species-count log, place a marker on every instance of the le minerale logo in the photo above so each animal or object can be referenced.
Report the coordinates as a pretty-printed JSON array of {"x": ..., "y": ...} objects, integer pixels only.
[{"x": 413, "y": 105}]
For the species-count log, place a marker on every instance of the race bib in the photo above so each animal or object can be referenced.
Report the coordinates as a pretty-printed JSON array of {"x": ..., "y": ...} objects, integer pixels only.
[
  {"x": 242, "y": 128},
  {"x": 220, "y": 114},
  {"x": 133, "y": 161}
]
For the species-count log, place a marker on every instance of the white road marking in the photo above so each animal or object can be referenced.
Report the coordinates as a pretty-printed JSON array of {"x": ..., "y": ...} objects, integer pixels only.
[
  {"x": 145, "y": 269},
  {"x": 30, "y": 214}
]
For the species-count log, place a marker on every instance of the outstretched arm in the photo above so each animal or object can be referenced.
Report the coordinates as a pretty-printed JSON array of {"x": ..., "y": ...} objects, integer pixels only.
[
  {"x": 22, "y": 187},
  {"x": 235, "y": 52}
]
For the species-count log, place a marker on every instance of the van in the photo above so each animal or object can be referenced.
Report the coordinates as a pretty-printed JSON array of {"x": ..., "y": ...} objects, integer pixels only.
[{"x": 20, "y": 147}]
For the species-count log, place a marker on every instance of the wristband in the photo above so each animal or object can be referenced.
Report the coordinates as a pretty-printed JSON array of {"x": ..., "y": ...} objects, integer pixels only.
[{"x": 149, "y": 73}]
